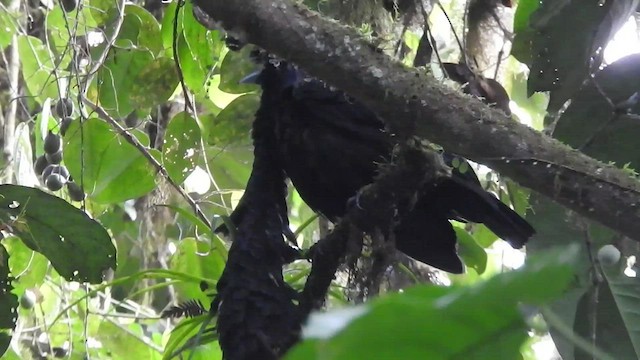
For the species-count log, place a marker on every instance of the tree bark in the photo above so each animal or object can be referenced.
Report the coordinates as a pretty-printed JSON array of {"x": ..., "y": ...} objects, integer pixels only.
[{"x": 414, "y": 103}]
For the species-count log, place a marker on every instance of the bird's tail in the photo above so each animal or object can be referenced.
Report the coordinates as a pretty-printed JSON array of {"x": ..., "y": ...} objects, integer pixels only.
[{"x": 472, "y": 203}]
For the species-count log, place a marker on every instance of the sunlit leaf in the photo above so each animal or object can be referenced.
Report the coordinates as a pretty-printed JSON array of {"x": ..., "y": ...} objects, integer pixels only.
[
  {"x": 110, "y": 169},
  {"x": 181, "y": 148}
]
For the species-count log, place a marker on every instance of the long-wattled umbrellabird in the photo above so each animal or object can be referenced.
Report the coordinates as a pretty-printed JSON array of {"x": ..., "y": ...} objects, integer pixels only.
[{"x": 330, "y": 146}]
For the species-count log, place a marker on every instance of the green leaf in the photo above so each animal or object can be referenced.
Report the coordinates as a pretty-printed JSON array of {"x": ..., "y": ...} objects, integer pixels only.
[
  {"x": 471, "y": 253},
  {"x": 598, "y": 307},
  {"x": 231, "y": 167},
  {"x": 78, "y": 247},
  {"x": 589, "y": 117},
  {"x": 141, "y": 29},
  {"x": 37, "y": 67},
  {"x": 233, "y": 123},
  {"x": 31, "y": 266},
  {"x": 205, "y": 45},
  {"x": 117, "y": 80},
  {"x": 8, "y": 26},
  {"x": 9, "y": 301},
  {"x": 182, "y": 146},
  {"x": 110, "y": 169},
  {"x": 102, "y": 11},
  {"x": 198, "y": 49},
  {"x": 58, "y": 23},
  {"x": 123, "y": 341},
  {"x": 154, "y": 84},
  {"x": 218, "y": 245},
  {"x": 625, "y": 292},
  {"x": 187, "y": 335},
  {"x": 560, "y": 60},
  {"x": 198, "y": 259},
  {"x": 556, "y": 226},
  {"x": 523, "y": 13},
  {"x": 235, "y": 66},
  {"x": 428, "y": 322}
]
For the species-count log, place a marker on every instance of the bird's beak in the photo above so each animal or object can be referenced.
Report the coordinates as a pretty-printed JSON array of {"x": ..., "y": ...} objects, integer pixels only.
[{"x": 252, "y": 78}]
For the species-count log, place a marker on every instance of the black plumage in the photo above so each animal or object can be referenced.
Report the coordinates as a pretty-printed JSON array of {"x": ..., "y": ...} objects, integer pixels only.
[
  {"x": 257, "y": 314},
  {"x": 330, "y": 146}
]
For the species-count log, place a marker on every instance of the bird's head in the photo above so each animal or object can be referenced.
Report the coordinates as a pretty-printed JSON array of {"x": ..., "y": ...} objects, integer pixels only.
[{"x": 275, "y": 73}]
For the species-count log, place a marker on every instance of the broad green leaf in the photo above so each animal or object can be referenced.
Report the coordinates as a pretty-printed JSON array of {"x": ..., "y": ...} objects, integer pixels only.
[
  {"x": 111, "y": 169},
  {"x": 59, "y": 231},
  {"x": 235, "y": 66},
  {"x": 154, "y": 84},
  {"x": 188, "y": 335},
  {"x": 37, "y": 68},
  {"x": 205, "y": 45},
  {"x": 560, "y": 60},
  {"x": 625, "y": 292},
  {"x": 182, "y": 146},
  {"x": 231, "y": 167},
  {"x": 9, "y": 301},
  {"x": 428, "y": 322},
  {"x": 141, "y": 29},
  {"x": 589, "y": 122},
  {"x": 58, "y": 24},
  {"x": 31, "y": 266},
  {"x": 118, "y": 79},
  {"x": 523, "y": 13},
  {"x": 484, "y": 237},
  {"x": 198, "y": 49},
  {"x": 198, "y": 259},
  {"x": 219, "y": 98},
  {"x": 166, "y": 27},
  {"x": 123, "y": 341},
  {"x": 102, "y": 11},
  {"x": 8, "y": 28},
  {"x": 556, "y": 226},
  {"x": 218, "y": 245},
  {"x": 233, "y": 123},
  {"x": 471, "y": 253},
  {"x": 598, "y": 307}
]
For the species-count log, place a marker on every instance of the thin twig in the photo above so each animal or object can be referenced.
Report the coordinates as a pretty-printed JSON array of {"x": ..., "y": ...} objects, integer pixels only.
[
  {"x": 111, "y": 40},
  {"x": 143, "y": 150}
]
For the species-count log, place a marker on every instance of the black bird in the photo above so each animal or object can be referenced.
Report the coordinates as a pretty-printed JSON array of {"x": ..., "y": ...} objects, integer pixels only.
[
  {"x": 257, "y": 317},
  {"x": 330, "y": 146}
]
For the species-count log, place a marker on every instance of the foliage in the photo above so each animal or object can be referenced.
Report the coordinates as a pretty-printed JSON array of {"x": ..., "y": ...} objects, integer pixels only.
[{"x": 94, "y": 275}]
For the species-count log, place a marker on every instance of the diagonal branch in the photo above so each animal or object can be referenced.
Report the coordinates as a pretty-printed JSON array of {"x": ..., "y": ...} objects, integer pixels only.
[{"x": 412, "y": 102}]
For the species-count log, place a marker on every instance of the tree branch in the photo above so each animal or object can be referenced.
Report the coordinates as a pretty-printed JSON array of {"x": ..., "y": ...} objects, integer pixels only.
[{"x": 412, "y": 102}]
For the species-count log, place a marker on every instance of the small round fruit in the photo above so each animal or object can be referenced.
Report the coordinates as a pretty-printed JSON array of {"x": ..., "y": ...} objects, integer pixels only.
[
  {"x": 40, "y": 164},
  {"x": 55, "y": 158},
  {"x": 64, "y": 125},
  {"x": 28, "y": 299},
  {"x": 64, "y": 106},
  {"x": 52, "y": 143},
  {"x": 132, "y": 120},
  {"x": 56, "y": 169},
  {"x": 48, "y": 171},
  {"x": 55, "y": 182},
  {"x": 68, "y": 5},
  {"x": 62, "y": 171},
  {"x": 75, "y": 191},
  {"x": 60, "y": 352},
  {"x": 608, "y": 255}
]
